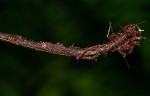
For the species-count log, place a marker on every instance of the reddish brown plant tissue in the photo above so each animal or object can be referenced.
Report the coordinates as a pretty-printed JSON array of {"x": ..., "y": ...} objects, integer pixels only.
[{"x": 123, "y": 43}]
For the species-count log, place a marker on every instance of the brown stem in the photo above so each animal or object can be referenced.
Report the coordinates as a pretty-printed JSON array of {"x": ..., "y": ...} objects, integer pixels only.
[{"x": 122, "y": 42}]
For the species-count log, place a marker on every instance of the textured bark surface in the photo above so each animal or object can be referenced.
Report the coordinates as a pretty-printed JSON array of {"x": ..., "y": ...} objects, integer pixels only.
[{"x": 123, "y": 42}]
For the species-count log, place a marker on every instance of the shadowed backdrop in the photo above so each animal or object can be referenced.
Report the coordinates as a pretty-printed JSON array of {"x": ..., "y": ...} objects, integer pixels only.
[{"x": 83, "y": 23}]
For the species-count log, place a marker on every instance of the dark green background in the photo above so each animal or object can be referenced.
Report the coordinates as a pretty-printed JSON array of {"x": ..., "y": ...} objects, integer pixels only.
[{"x": 25, "y": 72}]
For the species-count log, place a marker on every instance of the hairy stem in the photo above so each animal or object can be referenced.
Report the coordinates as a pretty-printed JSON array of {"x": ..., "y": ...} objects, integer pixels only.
[{"x": 122, "y": 42}]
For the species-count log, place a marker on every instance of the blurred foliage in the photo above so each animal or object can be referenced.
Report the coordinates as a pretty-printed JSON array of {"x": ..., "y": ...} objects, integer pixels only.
[{"x": 24, "y": 72}]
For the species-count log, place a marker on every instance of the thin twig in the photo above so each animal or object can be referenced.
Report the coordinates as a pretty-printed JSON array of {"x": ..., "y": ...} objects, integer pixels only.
[
  {"x": 123, "y": 42},
  {"x": 109, "y": 29}
]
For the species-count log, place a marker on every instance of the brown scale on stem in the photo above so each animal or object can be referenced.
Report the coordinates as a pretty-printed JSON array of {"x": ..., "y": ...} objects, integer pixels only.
[{"x": 123, "y": 42}]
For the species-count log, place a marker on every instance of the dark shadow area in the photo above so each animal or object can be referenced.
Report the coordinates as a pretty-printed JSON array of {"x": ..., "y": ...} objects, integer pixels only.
[{"x": 26, "y": 72}]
